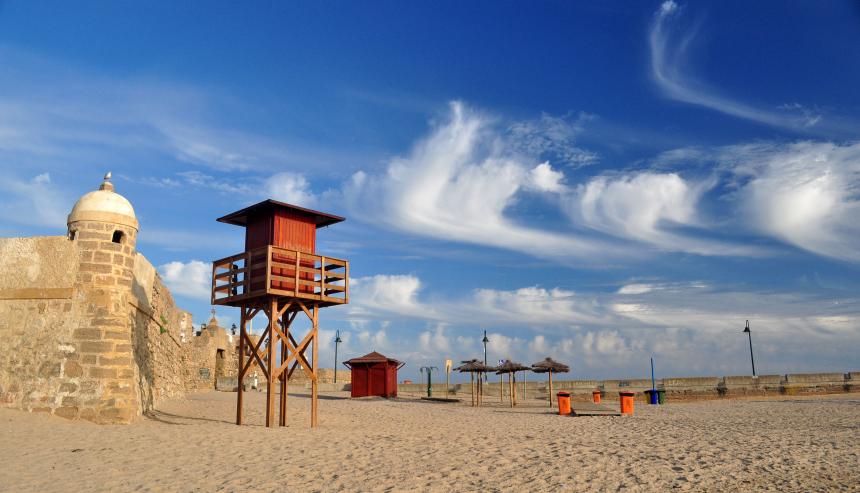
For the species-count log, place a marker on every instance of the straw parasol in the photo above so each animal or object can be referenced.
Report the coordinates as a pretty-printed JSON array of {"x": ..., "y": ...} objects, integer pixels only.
[
  {"x": 550, "y": 366},
  {"x": 475, "y": 366},
  {"x": 511, "y": 368}
]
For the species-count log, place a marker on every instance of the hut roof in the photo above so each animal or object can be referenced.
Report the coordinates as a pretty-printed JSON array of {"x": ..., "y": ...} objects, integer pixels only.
[
  {"x": 550, "y": 365},
  {"x": 372, "y": 357},
  {"x": 475, "y": 366},
  {"x": 510, "y": 367},
  {"x": 240, "y": 218}
]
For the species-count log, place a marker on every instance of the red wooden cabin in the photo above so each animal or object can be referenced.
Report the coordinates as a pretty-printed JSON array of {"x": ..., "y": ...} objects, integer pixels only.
[
  {"x": 280, "y": 258},
  {"x": 374, "y": 374}
]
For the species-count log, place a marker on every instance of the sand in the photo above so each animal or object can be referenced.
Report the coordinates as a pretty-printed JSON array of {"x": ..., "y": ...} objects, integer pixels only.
[{"x": 789, "y": 444}]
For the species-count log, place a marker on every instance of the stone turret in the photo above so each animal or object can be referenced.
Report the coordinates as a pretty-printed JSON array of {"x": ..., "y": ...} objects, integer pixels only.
[{"x": 104, "y": 228}]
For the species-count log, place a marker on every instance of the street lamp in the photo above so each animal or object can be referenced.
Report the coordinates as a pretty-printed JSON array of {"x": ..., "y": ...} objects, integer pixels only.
[
  {"x": 752, "y": 360},
  {"x": 336, "y": 342},
  {"x": 485, "y": 341}
]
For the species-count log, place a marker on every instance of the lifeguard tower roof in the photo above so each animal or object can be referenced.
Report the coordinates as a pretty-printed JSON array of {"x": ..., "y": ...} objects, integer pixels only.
[{"x": 269, "y": 206}]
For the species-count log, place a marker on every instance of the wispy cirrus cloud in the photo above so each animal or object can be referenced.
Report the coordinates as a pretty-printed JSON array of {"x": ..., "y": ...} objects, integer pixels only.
[
  {"x": 671, "y": 47},
  {"x": 458, "y": 183},
  {"x": 36, "y": 201}
]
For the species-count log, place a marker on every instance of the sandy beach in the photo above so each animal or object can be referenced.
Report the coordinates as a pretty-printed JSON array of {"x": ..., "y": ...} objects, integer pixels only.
[{"x": 776, "y": 444}]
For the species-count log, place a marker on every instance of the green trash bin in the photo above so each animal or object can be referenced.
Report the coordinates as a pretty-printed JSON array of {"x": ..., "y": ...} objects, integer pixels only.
[{"x": 661, "y": 396}]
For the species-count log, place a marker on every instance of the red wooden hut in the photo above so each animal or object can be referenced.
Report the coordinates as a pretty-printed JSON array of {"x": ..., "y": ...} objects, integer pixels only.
[{"x": 374, "y": 374}]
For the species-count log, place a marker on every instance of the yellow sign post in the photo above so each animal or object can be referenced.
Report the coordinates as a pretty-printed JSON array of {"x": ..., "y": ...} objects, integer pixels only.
[{"x": 447, "y": 377}]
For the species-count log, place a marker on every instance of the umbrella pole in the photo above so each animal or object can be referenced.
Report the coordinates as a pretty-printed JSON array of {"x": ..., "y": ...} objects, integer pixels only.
[
  {"x": 472, "y": 386},
  {"x": 550, "y": 389},
  {"x": 501, "y": 388},
  {"x": 525, "y": 389},
  {"x": 511, "y": 389},
  {"x": 480, "y": 389},
  {"x": 514, "y": 375}
]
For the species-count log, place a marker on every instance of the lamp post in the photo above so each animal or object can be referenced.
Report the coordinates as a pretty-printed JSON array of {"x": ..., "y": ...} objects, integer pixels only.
[
  {"x": 336, "y": 342},
  {"x": 752, "y": 360},
  {"x": 429, "y": 370},
  {"x": 485, "y": 341}
]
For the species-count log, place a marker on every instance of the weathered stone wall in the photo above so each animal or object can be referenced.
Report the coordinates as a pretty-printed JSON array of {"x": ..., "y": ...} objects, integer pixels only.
[
  {"x": 36, "y": 324},
  {"x": 168, "y": 367},
  {"x": 64, "y": 351},
  {"x": 90, "y": 331}
]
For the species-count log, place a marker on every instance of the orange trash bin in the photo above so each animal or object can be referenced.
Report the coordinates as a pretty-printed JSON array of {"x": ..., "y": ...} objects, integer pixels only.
[
  {"x": 595, "y": 395},
  {"x": 626, "y": 402},
  {"x": 563, "y": 403}
]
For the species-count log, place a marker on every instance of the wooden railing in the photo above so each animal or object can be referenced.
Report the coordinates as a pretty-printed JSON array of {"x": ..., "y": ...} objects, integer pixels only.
[{"x": 275, "y": 271}]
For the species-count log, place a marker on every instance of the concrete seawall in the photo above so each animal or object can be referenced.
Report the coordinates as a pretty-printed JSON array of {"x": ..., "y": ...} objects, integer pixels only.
[{"x": 676, "y": 387}]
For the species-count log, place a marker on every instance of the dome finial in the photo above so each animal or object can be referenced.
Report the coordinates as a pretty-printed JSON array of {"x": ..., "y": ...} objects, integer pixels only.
[{"x": 106, "y": 184}]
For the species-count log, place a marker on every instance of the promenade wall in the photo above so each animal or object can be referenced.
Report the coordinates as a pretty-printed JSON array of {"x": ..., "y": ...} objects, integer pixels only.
[{"x": 677, "y": 388}]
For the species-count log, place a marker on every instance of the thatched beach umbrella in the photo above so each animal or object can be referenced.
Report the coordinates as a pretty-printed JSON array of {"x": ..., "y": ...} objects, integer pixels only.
[
  {"x": 472, "y": 367},
  {"x": 511, "y": 368},
  {"x": 550, "y": 366}
]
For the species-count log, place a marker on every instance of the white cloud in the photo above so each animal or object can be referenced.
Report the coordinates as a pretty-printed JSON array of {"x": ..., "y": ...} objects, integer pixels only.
[
  {"x": 436, "y": 340},
  {"x": 552, "y": 137},
  {"x": 651, "y": 208},
  {"x": 456, "y": 185},
  {"x": 635, "y": 289},
  {"x": 292, "y": 188},
  {"x": 806, "y": 194},
  {"x": 545, "y": 179},
  {"x": 388, "y": 293},
  {"x": 35, "y": 202},
  {"x": 669, "y": 52},
  {"x": 191, "y": 279}
]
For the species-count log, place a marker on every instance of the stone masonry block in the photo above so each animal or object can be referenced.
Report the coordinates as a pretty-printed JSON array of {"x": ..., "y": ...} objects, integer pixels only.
[
  {"x": 87, "y": 334},
  {"x": 99, "y": 372},
  {"x": 124, "y": 348},
  {"x": 101, "y": 257},
  {"x": 110, "y": 246},
  {"x": 104, "y": 280},
  {"x": 96, "y": 347},
  {"x": 68, "y": 412},
  {"x": 116, "y": 335},
  {"x": 72, "y": 369},
  {"x": 107, "y": 361},
  {"x": 96, "y": 268},
  {"x": 68, "y": 387}
]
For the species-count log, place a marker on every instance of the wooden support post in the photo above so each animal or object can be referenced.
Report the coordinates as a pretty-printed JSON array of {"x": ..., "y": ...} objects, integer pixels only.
[
  {"x": 270, "y": 362},
  {"x": 501, "y": 388},
  {"x": 315, "y": 379},
  {"x": 283, "y": 376},
  {"x": 241, "y": 386}
]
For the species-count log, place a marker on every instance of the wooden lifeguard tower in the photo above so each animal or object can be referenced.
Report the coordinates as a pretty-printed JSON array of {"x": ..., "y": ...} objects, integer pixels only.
[{"x": 280, "y": 275}]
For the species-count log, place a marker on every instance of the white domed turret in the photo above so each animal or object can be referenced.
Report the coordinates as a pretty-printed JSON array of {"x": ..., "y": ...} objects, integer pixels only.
[{"x": 104, "y": 206}]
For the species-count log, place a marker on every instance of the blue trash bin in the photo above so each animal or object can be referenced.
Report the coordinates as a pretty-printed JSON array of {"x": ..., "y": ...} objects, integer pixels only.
[{"x": 652, "y": 396}]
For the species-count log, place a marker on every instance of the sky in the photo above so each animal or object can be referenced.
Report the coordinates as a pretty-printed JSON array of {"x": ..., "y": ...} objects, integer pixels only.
[{"x": 598, "y": 182}]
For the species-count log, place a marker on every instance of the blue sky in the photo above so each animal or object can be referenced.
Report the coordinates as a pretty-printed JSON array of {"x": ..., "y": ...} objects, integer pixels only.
[{"x": 597, "y": 182}]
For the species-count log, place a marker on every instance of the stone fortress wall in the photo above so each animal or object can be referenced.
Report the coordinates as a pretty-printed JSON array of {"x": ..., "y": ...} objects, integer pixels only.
[{"x": 88, "y": 328}]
